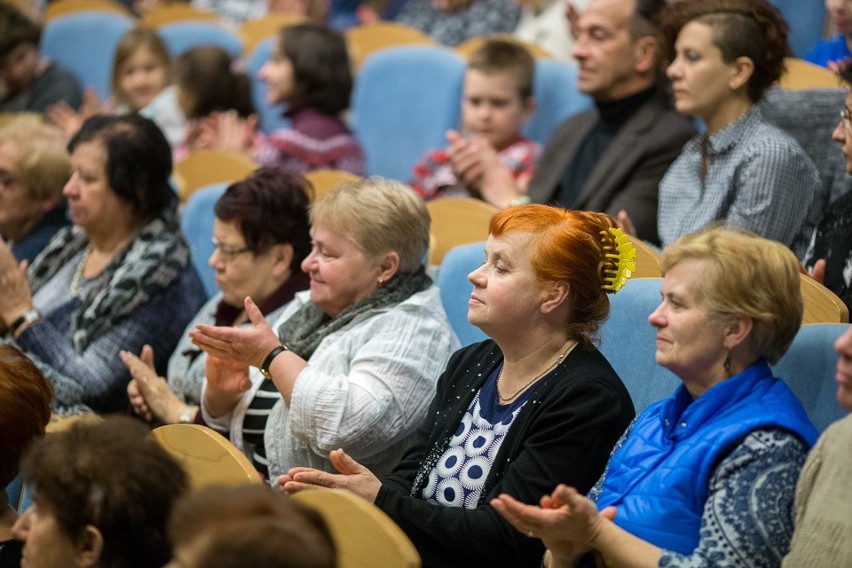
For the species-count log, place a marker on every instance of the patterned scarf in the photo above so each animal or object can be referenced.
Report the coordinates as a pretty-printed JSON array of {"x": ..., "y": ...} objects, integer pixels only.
[
  {"x": 155, "y": 257},
  {"x": 304, "y": 331}
]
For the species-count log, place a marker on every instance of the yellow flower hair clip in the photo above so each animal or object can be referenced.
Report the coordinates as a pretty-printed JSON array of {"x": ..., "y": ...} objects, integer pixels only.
[{"x": 619, "y": 259}]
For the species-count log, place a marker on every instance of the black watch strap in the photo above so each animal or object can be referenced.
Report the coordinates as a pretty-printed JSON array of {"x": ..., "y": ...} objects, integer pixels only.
[{"x": 264, "y": 368}]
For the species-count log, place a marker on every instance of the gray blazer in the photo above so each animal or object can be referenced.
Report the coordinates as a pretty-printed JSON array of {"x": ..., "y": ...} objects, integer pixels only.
[{"x": 629, "y": 172}]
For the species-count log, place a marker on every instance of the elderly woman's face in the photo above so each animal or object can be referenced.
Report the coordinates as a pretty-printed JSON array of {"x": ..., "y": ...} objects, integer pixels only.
[
  {"x": 45, "y": 543},
  {"x": 701, "y": 80},
  {"x": 505, "y": 293},
  {"x": 340, "y": 273},
  {"x": 19, "y": 210},
  {"x": 241, "y": 272},
  {"x": 91, "y": 202},
  {"x": 689, "y": 343}
]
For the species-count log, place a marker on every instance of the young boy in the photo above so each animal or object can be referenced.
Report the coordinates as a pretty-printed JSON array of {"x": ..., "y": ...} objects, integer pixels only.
[
  {"x": 497, "y": 100},
  {"x": 29, "y": 82}
]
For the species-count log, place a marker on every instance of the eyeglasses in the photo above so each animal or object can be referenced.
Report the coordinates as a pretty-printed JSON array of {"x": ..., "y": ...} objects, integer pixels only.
[
  {"x": 229, "y": 252},
  {"x": 846, "y": 118}
]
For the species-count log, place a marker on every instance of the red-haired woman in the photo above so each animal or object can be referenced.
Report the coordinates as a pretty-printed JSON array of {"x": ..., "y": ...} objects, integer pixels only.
[
  {"x": 536, "y": 403},
  {"x": 25, "y": 399}
]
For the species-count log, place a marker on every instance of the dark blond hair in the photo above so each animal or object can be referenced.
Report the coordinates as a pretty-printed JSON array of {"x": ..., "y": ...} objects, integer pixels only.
[
  {"x": 745, "y": 275},
  {"x": 41, "y": 156},
  {"x": 378, "y": 216}
]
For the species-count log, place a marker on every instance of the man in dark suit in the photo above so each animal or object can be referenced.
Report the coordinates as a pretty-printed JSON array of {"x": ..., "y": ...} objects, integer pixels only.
[{"x": 610, "y": 158}]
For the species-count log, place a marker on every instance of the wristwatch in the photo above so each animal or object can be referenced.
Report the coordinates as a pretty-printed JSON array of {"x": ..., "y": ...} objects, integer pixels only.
[
  {"x": 24, "y": 319},
  {"x": 264, "y": 367}
]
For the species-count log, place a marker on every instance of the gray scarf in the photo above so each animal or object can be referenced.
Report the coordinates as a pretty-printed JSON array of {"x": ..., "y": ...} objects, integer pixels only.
[{"x": 304, "y": 331}]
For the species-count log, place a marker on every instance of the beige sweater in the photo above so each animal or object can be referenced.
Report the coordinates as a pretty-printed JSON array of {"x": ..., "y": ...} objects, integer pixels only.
[{"x": 823, "y": 535}]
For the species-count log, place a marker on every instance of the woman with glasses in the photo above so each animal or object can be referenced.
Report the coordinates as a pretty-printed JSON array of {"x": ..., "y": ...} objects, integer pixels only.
[
  {"x": 724, "y": 55},
  {"x": 34, "y": 167},
  {"x": 260, "y": 235},
  {"x": 118, "y": 278},
  {"x": 351, "y": 363}
]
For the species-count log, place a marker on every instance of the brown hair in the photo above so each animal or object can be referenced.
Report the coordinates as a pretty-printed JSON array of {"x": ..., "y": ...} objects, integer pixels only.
[
  {"x": 741, "y": 28},
  {"x": 250, "y": 525},
  {"x": 506, "y": 56},
  {"x": 107, "y": 474}
]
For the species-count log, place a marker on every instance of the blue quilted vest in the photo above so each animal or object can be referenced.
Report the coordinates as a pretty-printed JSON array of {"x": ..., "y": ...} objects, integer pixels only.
[{"x": 659, "y": 478}]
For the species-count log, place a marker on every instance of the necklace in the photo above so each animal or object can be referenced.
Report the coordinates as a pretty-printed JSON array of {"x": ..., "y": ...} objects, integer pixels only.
[
  {"x": 75, "y": 280},
  {"x": 506, "y": 400}
]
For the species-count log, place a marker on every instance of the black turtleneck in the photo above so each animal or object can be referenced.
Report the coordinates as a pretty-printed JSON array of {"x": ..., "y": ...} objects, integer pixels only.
[{"x": 612, "y": 116}]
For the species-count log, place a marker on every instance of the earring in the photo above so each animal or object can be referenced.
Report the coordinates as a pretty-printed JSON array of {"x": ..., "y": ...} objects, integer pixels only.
[
  {"x": 381, "y": 283},
  {"x": 727, "y": 364}
]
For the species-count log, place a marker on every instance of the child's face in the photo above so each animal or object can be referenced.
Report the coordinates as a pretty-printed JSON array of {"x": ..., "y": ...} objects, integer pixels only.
[
  {"x": 17, "y": 69},
  {"x": 142, "y": 77},
  {"x": 492, "y": 107},
  {"x": 277, "y": 73}
]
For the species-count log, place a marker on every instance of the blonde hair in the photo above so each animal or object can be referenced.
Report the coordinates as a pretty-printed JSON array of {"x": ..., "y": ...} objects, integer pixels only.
[
  {"x": 378, "y": 215},
  {"x": 137, "y": 38},
  {"x": 40, "y": 155},
  {"x": 746, "y": 275}
]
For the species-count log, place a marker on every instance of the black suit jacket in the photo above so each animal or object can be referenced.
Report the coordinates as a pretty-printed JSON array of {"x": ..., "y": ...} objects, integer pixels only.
[{"x": 628, "y": 174}]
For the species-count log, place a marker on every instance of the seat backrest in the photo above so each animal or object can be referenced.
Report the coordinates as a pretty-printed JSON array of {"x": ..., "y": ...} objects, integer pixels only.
[
  {"x": 84, "y": 43},
  {"x": 466, "y": 48},
  {"x": 205, "y": 167},
  {"x": 404, "y": 101},
  {"x": 65, "y": 7},
  {"x": 648, "y": 259},
  {"x": 180, "y": 37},
  {"x": 197, "y": 225},
  {"x": 556, "y": 97},
  {"x": 810, "y": 116},
  {"x": 252, "y": 32},
  {"x": 629, "y": 343},
  {"x": 324, "y": 181},
  {"x": 366, "y": 39},
  {"x": 801, "y": 74},
  {"x": 808, "y": 368},
  {"x": 821, "y": 304},
  {"x": 177, "y": 12},
  {"x": 364, "y": 536},
  {"x": 270, "y": 117},
  {"x": 206, "y": 455},
  {"x": 455, "y": 289},
  {"x": 457, "y": 221},
  {"x": 806, "y": 20}
]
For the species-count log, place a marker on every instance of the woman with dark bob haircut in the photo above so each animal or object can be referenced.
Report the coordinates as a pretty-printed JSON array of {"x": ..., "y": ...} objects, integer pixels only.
[
  {"x": 260, "y": 235},
  {"x": 119, "y": 277},
  {"x": 102, "y": 495},
  {"x": 724, "y": 55},
  {"x": 309, "y": 71}
]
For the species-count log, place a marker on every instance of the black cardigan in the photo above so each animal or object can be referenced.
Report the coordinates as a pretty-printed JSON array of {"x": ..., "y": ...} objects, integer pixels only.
[{"x": 563, "y": 434}]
